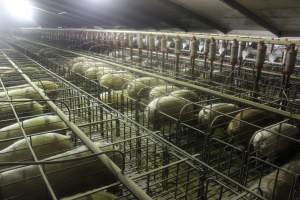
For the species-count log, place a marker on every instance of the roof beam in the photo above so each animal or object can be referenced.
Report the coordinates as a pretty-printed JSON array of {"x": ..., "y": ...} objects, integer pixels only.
[
  {"x": 139, "y": 16},
  {"x": 290, "y": 34},
  {"x": 70, "y": 12},
  {"x": 245, "y": 11},
  {"x": 47, "y": 18},
  {"x": 144, "y": 8},
  {"x": 103, "y": 18},
  {"x": 195, "y": 15}
]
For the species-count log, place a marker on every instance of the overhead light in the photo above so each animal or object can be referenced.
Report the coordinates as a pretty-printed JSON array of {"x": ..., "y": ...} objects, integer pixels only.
[
  {"x": 62, "y": 13},
  {"x": 19, "y": 9},
  {"x": 99, "y": 1}
]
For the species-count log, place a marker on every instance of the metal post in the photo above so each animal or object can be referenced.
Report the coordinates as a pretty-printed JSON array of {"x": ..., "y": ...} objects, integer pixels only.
[
  {"x": 151, "y": 47},
  {"x": 212, "y": 56},
  {"x": 124, "y": 43},
  {"x": 233, "y": 58},
  {"x": 260, "y": 59},
  {"x": 140, "y": 47},
  {"x": 138, "y": 142},
  {"x": 242, "y": 46},
  {"x": 177, "y": 52},
  {"x": 206, "y": 50},
  {"x": 222, "y": 54},
  {"x": 193, "y": 53},
  {"x": 130, "y": 45},
  {"x": 163, "y": 49}
]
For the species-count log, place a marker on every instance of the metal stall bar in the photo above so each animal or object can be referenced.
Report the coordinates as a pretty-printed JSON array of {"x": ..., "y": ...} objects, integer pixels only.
[
  {"x": 135, "y": 189},
  {"x": 45, "y": 179},
  {"x": 185, "y": 84},
  {"x": 172, "y": 146}
]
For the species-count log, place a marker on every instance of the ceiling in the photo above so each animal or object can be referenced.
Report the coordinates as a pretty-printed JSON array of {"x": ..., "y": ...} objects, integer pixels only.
[{"x": 264, "y": 17}]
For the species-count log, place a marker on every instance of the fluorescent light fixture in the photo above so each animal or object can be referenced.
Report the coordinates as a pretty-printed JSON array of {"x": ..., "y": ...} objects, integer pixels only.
[
  {"x": 62, "y": 13},
  {"x": 20, "y": 9}
]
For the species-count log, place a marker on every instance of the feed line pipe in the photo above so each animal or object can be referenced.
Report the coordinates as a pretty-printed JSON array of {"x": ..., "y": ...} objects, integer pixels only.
[{"x": 111, "y": 166}]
